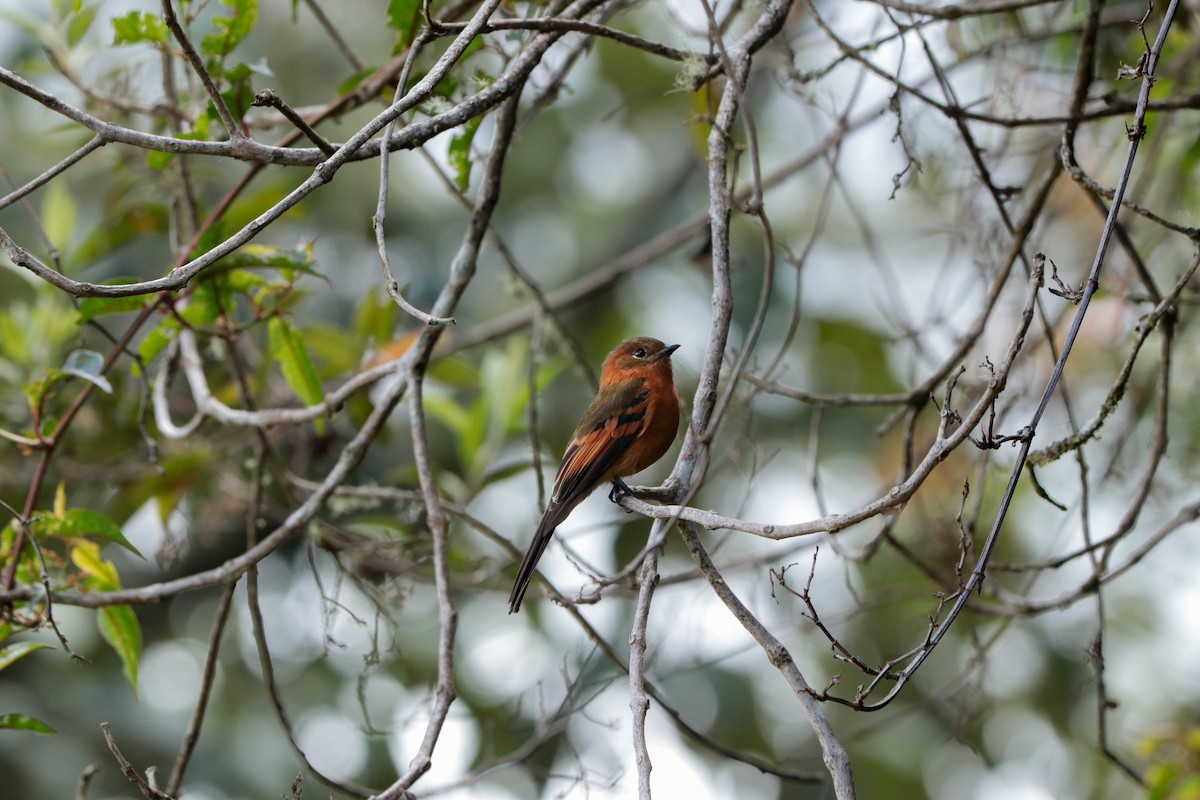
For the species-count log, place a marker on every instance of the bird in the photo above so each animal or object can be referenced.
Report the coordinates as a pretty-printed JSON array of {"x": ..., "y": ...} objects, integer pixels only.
[{"x": 630, "y": 425}]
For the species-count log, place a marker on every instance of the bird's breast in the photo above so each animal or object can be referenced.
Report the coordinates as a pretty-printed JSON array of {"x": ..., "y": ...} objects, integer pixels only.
[{"x": 659, "y": 427}]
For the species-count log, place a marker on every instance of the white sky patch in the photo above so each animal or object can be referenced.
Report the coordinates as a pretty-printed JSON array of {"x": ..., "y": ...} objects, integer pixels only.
[
  {"x": 609, "y": 165},
  {"x": 953, "y": 771},
  {"x": 1015, "y": 782},
  {"x": 332, "y": 744},
  {"x": 542, "y": 244},
  {"x": 455, "y": 748},
  {"x": 169, "y": 676},
  {"x": 1016, "y": 664}
]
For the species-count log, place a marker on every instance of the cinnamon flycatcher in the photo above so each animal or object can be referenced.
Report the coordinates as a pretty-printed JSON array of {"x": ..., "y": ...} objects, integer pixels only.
[{"x": 628, "y": 427}]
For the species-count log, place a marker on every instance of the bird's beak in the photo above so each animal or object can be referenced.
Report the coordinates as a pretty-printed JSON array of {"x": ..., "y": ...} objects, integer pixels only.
[{"x": 666, "y": 351}]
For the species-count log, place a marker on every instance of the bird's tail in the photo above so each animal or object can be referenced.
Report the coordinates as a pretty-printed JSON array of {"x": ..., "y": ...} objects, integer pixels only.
[{"x": 545, "y": 532}]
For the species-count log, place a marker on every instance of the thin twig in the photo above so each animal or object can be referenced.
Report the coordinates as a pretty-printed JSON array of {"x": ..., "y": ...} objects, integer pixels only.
[
  {"x": 836, "y": 759},
  {"x": 197, "y": 64},
  {"x": 639, "y": 702},
  {"x": 130, "y": 772},
  {"x": 191, "y": 736},
  {"x": 461, "y": 271},
  {"x": 334, "y": 35},
  {"x": 1028, "y": 432},
  {"x": 85, "y": 780},
  {"x": 95, "y": 143},
  {"x": 377, "y": 221},
  {"x": 268, "y": 98}
]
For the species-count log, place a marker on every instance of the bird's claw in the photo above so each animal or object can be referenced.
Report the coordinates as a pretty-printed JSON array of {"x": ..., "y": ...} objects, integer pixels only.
[{"x": 619, "y": 490}]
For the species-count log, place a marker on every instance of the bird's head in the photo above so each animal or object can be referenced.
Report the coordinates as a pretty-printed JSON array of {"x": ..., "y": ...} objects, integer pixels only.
[{"x": 639, "y": 355}]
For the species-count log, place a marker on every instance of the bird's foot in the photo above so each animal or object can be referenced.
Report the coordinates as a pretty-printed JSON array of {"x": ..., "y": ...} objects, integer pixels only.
[{"x": 619, "y": 490}]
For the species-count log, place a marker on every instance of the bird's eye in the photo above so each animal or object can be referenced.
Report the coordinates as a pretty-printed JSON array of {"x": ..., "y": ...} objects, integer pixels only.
[{"x": 639, "y": 353}]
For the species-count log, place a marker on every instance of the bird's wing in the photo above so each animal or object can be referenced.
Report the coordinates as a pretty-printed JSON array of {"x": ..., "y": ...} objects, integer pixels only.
[
  {"x": 611, "y": 423},
  {"x": 609, "y": 426}
]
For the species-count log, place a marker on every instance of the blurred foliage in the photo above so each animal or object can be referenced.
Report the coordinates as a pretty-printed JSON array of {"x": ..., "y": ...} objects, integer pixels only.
[
  {"x": 869, "y": 293},
  {"x": 1174, "y": 758}
]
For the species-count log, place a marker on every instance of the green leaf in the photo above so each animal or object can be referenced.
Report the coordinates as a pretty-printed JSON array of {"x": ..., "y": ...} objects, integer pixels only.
[
  {"x": 20, "y": 722},
  {"x": 19, "y": 650},
  {"x": 119, "y": 627},
  {"x": 80, "y": 522},
  {"x": 454, "y": 371},
  {"x": 238, "y": 73},
  {"x": 92, "y": 307},
  {"x": 204, "y": 308},
  {"x": 853, "y": 358},
  {"x": 231, "y": 30},
  {"x": 36, "y": 391},
  {"x": 59, "y": 213},
  {"x": 139, "y": 26},
  {"x": 159, "y": 160},
  {"x": 375, "y": 318},
  {"x": 118, "y": 624},
  {"x": 333, "y": 352},
  {"x": 80, "y": 22},
  {"x": 240, "y": 94},
  {"x": 101, "y": 574},
  {"x": 459, "y": 152},
  {"x": 443, "y": 408},
  {"x": 243, "y": 281},
  {"x": 287, "y": 347},
  {"x": 158, "y": 338},
  {"x": 354, "y": 80},
  {"x": 476, "y": 46},
  {"x": 1159, "y": 780},
  {"x": 403, "y": 16},
  {"x": 14, "y": 337},
  {"x": 212, "y": 236},
  {"x": 504, "y": 390},
  {"x": 467, "y": 424},
  {"x": 28, "y": 570},
  {"x": 298, "y": 259}
]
